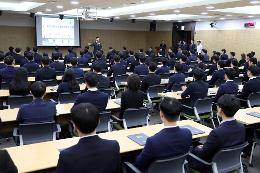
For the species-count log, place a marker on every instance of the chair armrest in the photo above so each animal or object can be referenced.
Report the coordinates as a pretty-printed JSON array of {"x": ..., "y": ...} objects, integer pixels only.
[
  {"x": 115, "y": 119},
  {"x": 132, "y": 167},
  {"x": 199, "y": 159},
  {"x": 15, "y": 132},
  {"x": 187, "y": 106},
  {"x": 58, "y": 128}
]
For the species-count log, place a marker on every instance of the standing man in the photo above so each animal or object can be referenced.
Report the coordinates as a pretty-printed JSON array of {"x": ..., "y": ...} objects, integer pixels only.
[
  {"x": 97, "y": 45},
  {"x": 199, "y": 47},
  {"x": 163, "y": 46}
]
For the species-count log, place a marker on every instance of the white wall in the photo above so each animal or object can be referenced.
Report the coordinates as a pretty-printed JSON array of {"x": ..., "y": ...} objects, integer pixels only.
[
  {"x": 27, "y": 21},
  {"x": 228, "y": 25}
]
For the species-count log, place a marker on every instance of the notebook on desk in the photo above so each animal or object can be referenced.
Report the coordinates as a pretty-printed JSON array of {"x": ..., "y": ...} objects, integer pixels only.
[
  {"x": 254, "y": 114},
  {"x": 139, "y": 138},
  {"x": 194, "y": 131}
]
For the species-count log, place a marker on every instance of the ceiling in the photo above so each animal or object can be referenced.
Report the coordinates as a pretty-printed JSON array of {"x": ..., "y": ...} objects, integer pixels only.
[{"x": 169, "y": 10}]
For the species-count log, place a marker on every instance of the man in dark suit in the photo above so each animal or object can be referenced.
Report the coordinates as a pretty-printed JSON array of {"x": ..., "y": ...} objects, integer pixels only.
[
  {"x": 197, "y": 89},
  {"x": 150, "y": 79},
  {"x": 193, "y": 56},
  {"x": 213, "y": 67},
  {"x": 218, "y": 76},
  {"x": 229, "y": 133},
  {"x": 91, "y": 153},
  {"x": 45, "y": 73},
  {"x": 131, "y": 61},
  {"x": 103, "y": 81},
  {"x": 37, "y": 56},
  {"x": 169, "y": 142},
  {"x": 57, "y": 50},
  {"x": 205, "y": 55},
  {"x": 142, "y": 68},
  {"x": 19, "y": 58},
  {"x": 2, "y": 57},
  {"x": 97, "y": 46},
  {"x": 176, "y": 78},
  {"x": 8, "y": 73},
  {"x": 31, "y": 66},
  {"x": 164, "y": 69},
  {"x": 38, "y": 110},
  {"x": 184, "y": 66},
  {"x": 253, "y": 83},
  {"x": 6, "y": 163},
  {"x": 201, "y": 64},
  {"x": 78, "y": 72},
  {"x": 57, "y": 65},
  {"x": 11, "y": 52},
  {"x": 229, "y": 87},
  {"x": 84, "y": 59},
  {"x": 93, "y": 95},
  {"x": 117, "y": 68},
  {"x": 163, "y": 46},
  {"x": 100, "y": 61},
  {"x": 224, "y": 56},
  {"x": 71, "y": 54}
]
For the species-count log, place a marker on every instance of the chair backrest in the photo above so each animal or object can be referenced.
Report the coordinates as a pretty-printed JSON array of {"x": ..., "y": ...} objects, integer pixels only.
[
  {"x": 119, "y": 79},
  {"x": 176, "y": 87},
  {"x": 135, "y": 117},
  {"x": 17, "y": 101},
  {"x": 51, "y": 82},
  {"x": 253, "y": 99},
  {"x": 165, "y": 76},
  {"x": 238, "y": 80},
  {"x": 109, "y": 92},
  {"x": 80, "y": 80},
  {"x": 59, "y": 73},
  {"x": 37, "y": 132},
  {"x": 175, "y": 164},
  {"x": 153, "y": 91},
  {"x": 228, "y": 159},
  {"x": 104, "y": 122},
  {"x": 68, "y": 97},
  {"x": 31, "y": 74},
  {"x": 203, "y": 106},
  {"x": 5, "y": 85}
]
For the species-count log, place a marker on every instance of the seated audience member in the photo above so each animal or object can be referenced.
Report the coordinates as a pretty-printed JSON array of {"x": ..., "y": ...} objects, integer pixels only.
[
  {"x": 69, "y": 83},
  {"x": 170, "y": 142},
  {"x": 20, "y": 85},
  {"x": 252, "y": 61},
  {"x": 38, "y": 110},
  {"x": 234, "y": 65},
  {"x": 6, "y": 163},
  {"x": 201, "y": 64},
  {"x": 37, "y": 56},
  {"x": 71, "y": 54},
  {"x": 110, "y": 53},
  {"x": 229, "y": 133},
  {"x": 57, "y": 50},
  {"x": 193, "y": 56},
  {"x": 214, "y": 66},
  {"x": 132, "y": 97},
  {"x": 218, "y": 76},
  {"x": 117, "y": 68},
  {"x": 84, "y": 59},
  {"x": 150, "y": 79},
  {"x": 131, "y": 61},
  {"x": 197, "y": 89},
  {"x": 176, "y": 78},
  {"x": 2, "y": 57},
  {"x": 229, "y": 87},
  {"x": 205, "y": 55},
  {"x": 78, "y": 72},
  {"x": 100, "y": 61},
  {"x": 224, "y": 56},
  {"x": 8, "y": 73},
  {"x": 88, "y": 52},
  {"x": 91, "y": 153},
  {"x": 11, "y": 52},
  {"x": 93, "y": 95},
  {"x": 103, "y": 81},
  {"x": 184, "y": 66},
  {"x": 19, "y": 58},
  {"x": 31, "y": 66},
  {"x": 142, "y": 68},
  {"x": 164, "y": 69},
  {"x": 242, "y": 60},
  {"x": 27, "y": 50},
  {"x": 46, "y": 72},
  {"x": 57, "y": 65},
  {"x": 252, "y": 85}
]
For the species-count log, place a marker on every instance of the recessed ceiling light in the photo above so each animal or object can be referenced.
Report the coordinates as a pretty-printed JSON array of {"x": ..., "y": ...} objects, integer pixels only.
[
  {"x": 204, "y": 13},
  {"x": 254, "y": 2},
  {"x": 132, "y": 15},
  {"x": 142, "y": 1},
  {"x": 117, "y": 17},
  {"x": 59, "y": 6},
  {"x": 74, "y": 2},
  {"x": 210, "y": 7},
  {"x": 39, "y": 12},
  {"x": 179, "y": 21},
  {"x": 48, "y": 10},
  {"x": 228, "y": 15},
  {"x": 177, "y": 11},
  {"x": 222, "y": 18},
  {"x": 109, "y": 7},
  {"x": 251, "y": 16},
  {"x": 151, "y": 14}
]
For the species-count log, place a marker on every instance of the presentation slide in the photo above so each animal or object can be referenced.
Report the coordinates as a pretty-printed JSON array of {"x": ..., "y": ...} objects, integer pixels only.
[{"x": 52, "y": 31}]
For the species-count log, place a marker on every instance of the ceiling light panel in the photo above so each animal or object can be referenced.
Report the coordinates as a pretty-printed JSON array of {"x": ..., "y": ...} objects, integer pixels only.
[
  {"x": 19, "y": 6},
  {"x": 174, "y": 17},
  {"x": 241, "y": 10}
]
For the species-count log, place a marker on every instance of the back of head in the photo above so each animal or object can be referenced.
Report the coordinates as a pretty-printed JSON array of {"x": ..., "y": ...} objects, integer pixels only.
[
  {"x": 233, "y": 54},
  {"x": 68, "y": 76},
  {"x": 2, "y": 55},
  {"x": 70, "y": 49},
  {"x": 222, "y": 64},
  {"x": 38, "y": 89},
  {"x": 91, "y": 79},
  {"x": 253, "y": 60},
  {"x": 229, "y": 105},
  {"x": 21, "y": 75},
  {"x": 99, "y": 54},
  {"x": 85, "y": 116},
  {"x": 18, "y": 50},
  {"x": 215, "y": 58},
  {"x": 97, "y": 68},
  {"x": 171, "y": 109},
  {"x": 231, "y": 73},
  {"x": 11, "y": 48},
  {"x": 243, "y": 56},
  {"x": 178, "y": 67},
  {"x": 198, "y": 73},
  {"x": 35, "y": 49},
  {"x": 204, "y": 51},
  {"x": 9, "y": 60},
  {"x": 131, "y": 52},
  {"x": 152, "y": 67},
  {"x": 45, "y": 61},
  {"x": 224, "y": 50},
  {"x": 133, "y": 82},
  {"x": 117, "y": 58},
  {"x": 74, "y": 61},
  {"x": 164, "y": 61},
  {"x": 28, "y": 49},
  {"x": 255, "y": 71},
  {"x": 200, "y": 57},
  {"x": 29, "y": 56},
  {"x": 56, "y": 48},
  {"x": 45, "y": 54},
  {"x": 55, "y": 55},
  {"x": 234, "y": 62},
  {"x": 183, "y": 58},
  {"x": 142, "y": 58}
]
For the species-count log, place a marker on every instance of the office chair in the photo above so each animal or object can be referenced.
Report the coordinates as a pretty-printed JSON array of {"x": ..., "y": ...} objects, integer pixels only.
[
  {"x": 119, "y": 79},
  {"x": 68, "y": 97},
  {"x": 104, "y": 122},
  {"x": 51, "y": 82},
  {"x": 256, "y": 142},
  {"x": 253, "y": 100},
  {"x": 17, "y": 101}
]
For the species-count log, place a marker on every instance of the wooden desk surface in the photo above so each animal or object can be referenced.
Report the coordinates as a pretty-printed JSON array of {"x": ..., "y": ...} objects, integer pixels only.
[
  {"x": 45, "y": 155},
  {"x": 242, "y": 116},
  {"x": 9, "y": 115}
]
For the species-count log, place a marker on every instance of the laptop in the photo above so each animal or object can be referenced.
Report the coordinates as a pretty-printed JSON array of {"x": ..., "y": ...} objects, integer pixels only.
[
  {"x": 193, "y": 130},
  {"x": 139, "y": 138}
]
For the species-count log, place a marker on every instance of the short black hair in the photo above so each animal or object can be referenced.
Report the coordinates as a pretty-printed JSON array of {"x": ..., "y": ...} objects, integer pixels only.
[
  {"x": 99, "y": 54},
  {"x": 229, "y": 104},
  {"x": 201, "y": 57},
  {"x": 142, "y": 59},
  {"x": 117, "y": 58},
  {"x": 29, "y": 56},
  {"x": 35, "y": 49},
  {"x": 222, "y": 64},
  {"x": 85, "y": 116},
  {"x": 91, "y": 79},
  {"x": 178, "y": 67},
  {"x": 253, "y": 60},
  {"x": 97, "y": 68},
  {"x": 55, "y": 55},
  {"x": 233, "y": 53},
  {"x": 56, "y": 48},
  {"x": 183, "y": 58},
  {"x": 70, "y": 49},
  {"x": 234, "y": 62},
  {"x": 133, "y": 82},
  {"x": 82, "y": 52},
  {"x": 171, "y": 109},
  {"x": 152, "y": 67},
  {"x": 141, "y": 50},
  {"x": 198, "y": 73},
  {"x": 38, "y": 89},
  {"x": 74, "y": 61},
  {"x": 131, "y": 52},
  {"x": 2, "y": 55},
  {"x": 9, "y": 60},
  {"x": 224, "y": 50},
  {"x": 204, "y": 50},
  {"x": 254, "y": 70},
  {"x": 45, "y": 60},
  {"x": 164, "y": 61},
  {"x": 215, "y": 58},
  {"x": 18, "y": 50},
  {"x": 11, "y": 48},
  {"x": 231, "y": 73}
]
